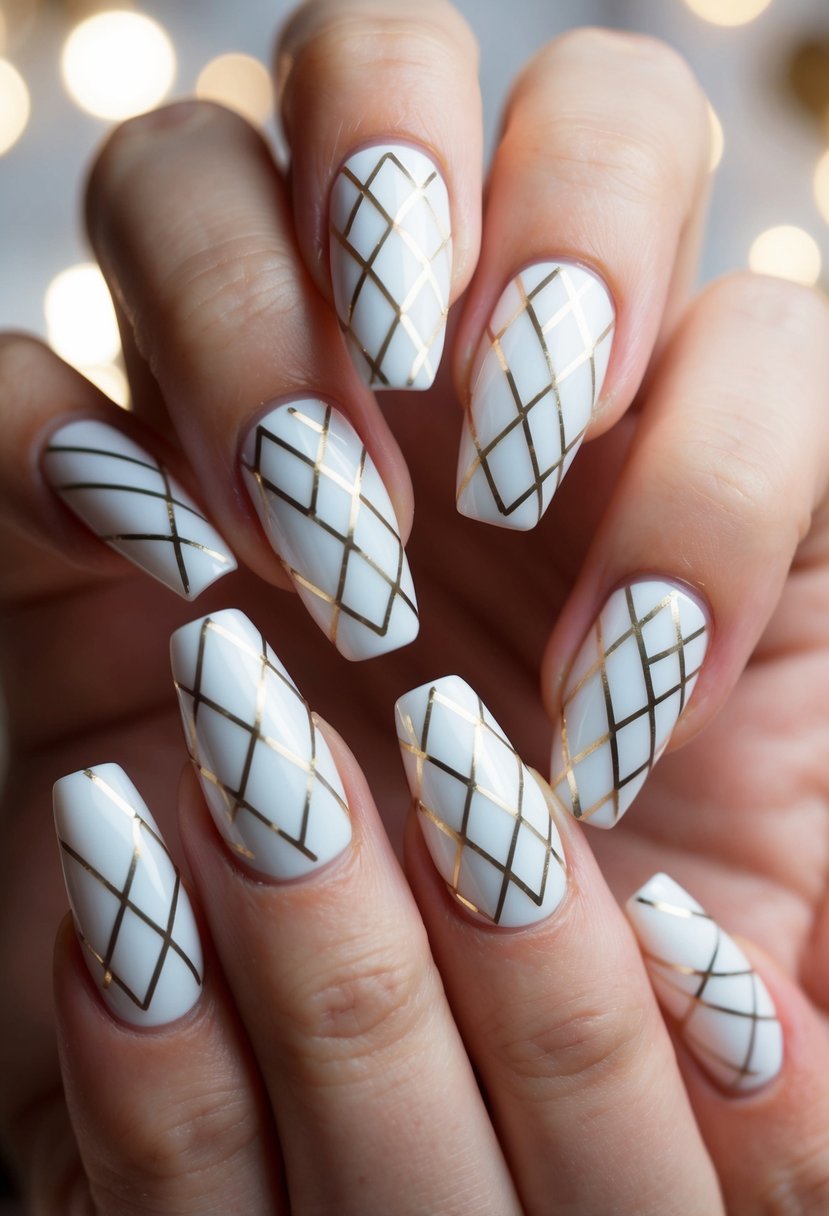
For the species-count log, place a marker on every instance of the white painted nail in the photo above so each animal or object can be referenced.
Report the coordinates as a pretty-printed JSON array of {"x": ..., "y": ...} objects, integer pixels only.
[
  {"x": 131, "y": 912},
  {"x": 536, "y": 376},
  {"x": 623, "y": 696},
  {"x": 485, "y": 816},
  {"x": 722, "y": 1008},
  {"x": 391, "y": 263},
  {"x": 330, "y": 519},
  {"x": 130, "y": 501},
  {"x": 265, "y": 769}
]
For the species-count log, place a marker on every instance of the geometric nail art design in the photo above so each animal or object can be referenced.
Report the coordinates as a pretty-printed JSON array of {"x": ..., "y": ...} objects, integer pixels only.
[
  {"x": 130, "y": 501},
  {"x": 391, "y": 263},
  {"x": 266, "y": 772},
  {"x": 329, "y": 517},
  {"x": 485, "y": 816},
  {"x": 131, "y": 913},
  {"x": 624, "y": 694},
  {"x": 536, "y": 376},
  {"x": 722, "y": 1008}
]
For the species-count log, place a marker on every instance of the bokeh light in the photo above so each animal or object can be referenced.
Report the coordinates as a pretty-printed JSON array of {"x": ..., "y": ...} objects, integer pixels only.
[
  {"x": 717, "y": 139},
  {"x": 821, "y": 185},
  {"x": 788, "y": 253},
  {"x": 728, "y": 12},
  {"x": 239, "y": 82},
  {"x": 80, "y": 318},
  {"x": 117, "y": 64},
  {"x": 15, "y": 106}
]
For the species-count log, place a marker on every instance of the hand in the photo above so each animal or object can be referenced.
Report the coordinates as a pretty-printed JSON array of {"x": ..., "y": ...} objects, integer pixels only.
[{"x": 362, "y": 1043}]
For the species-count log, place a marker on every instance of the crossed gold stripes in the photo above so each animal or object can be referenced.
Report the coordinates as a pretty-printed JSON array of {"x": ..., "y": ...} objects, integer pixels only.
[
  {"x": 460, "y": 837},
  {"x": 350, "y": 548},
  {"x": 399, "y": 308},
  {"x": 696, "y": 999},
  {"x": 165, "y": 494},
  {"x": 126, "y": 904},
  {"x": 668, "y": 602},
  {"x": 235, "y": 800},
  {"x": 523, "y": 410}
]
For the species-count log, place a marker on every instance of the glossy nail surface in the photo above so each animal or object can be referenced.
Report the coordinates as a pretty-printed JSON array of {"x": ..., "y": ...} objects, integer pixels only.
[
  {"x": 330, "y": 519},
  {"x": 623, "y": 696},
  {"x": 131, "y": 912},
  {"x": 722, "y": 1008},
  {"x": 130, "y": 501},
  {"x": 266, "y": 771},
  {"x": 484, "y": 815},
  {"x": 391, "y": 263},
  {"x": 535, "y": 379}
]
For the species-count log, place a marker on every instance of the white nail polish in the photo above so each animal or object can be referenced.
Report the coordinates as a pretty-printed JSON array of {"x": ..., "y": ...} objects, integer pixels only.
[
  {"x": 722, "y": 1008},
  {"x": 330, "y": 519},
  {"x": 130, "y": 501},
  {"x": 391, "y": 263},
  {"x": 484, "y": 814},
  {"x": 131, "y": 912},
  {"x": 623, "y": 696},
  {"x": 265, "y": 769},
  {"x": 536, "y": 376}
]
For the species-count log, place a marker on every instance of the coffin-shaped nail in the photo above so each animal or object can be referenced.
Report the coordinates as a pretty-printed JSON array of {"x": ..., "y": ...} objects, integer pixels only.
[
  {"x": 267, "y": 774},
  {"x": 330, "y": 519},
  {"x": 721, "y": 1007},
  {"x": 625, "y": 692},
  {"x": 485, "y": 816},
  {"x": 391, "y": 263},
  {"x": 536, "y": 376},
  {"x": 132, "y": 915},
  {"x": 132, "y": 502}
]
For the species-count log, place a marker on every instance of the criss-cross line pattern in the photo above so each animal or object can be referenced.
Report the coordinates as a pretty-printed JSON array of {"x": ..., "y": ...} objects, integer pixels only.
[
  {"x": 339, "y": 598},
  {"x": 485, "y": 734},
  {"x": 397, "y": 226},
  {"x": 234, "y": 796},
  {"x": 534, "y": 410},
  {"x": 143, "y": 835},
  {"x": 171, "y": 529},
  {"x": 692, "y": 985},
  {"x": 628, "y": 764}
]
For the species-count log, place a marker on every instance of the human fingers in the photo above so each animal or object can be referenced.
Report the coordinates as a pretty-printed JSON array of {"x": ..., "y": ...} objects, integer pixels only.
[
  {"x": 740, "y": 1034},
  {"x": 163, "y": 1095},
  {"x": 381, "y": 107},
  {"x": 727, "y": 466},
  {"x": 589, "y": 248},
  {"x": 376, "y": 1105},
  {"x": 191, "y": 223},
  {"x": 557, "y": 1015}
]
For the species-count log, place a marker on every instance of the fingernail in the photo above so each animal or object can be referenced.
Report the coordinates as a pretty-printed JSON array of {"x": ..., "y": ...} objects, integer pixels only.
[
  {"x": 391, "y": 263},
  {"x": 624, "y": 694},
  {"x": 724, "y": 1012},
  {"x": 536, "y": 376},
  {"x": 265, "y": 770},
  {"x": 130, "y": 501},
  {"x": 329, "y": 517},
  {"x": 131, "y": 913},
  {"x": 484, "y": 814}
]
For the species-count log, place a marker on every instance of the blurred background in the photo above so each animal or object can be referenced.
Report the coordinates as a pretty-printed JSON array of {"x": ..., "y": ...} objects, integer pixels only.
[{"x": 69, "y": 69}]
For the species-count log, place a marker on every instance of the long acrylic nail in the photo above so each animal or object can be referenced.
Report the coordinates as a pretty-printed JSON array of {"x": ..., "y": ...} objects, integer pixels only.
[
  {"x": 536, "y": 376},
  {"x": 131, "y": 501},
  {"x": 484, "y": 814},
  {"x": 722, "y": 1008},
  {"x": 265, "y": 769},
  {"x": 131, "y": 912},
  {"x": 624, "y": 694},
  {"x": 391, "y": 263},
  {"x": 329, "y": 517}
]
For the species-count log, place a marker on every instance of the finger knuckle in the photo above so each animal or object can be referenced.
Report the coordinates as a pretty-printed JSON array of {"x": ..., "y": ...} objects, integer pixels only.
[
  {"x": 801, "y": 1188},
  {"x": 777, "y": 309}
]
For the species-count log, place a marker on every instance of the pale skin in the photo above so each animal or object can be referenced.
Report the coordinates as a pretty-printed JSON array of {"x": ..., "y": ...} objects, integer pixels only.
[{"x": 361, "y": 1046}]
